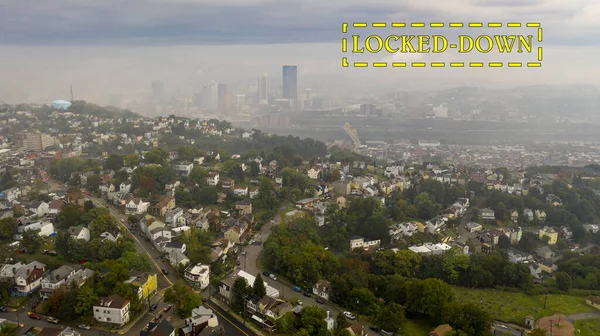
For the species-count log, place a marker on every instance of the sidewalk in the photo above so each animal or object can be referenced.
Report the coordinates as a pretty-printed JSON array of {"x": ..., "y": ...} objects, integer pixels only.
[{"x": 154, "y": 299}]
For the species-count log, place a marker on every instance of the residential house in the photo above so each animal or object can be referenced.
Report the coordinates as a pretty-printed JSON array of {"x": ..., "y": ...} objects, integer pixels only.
[
  {"x": 321, "y": 289},
  {"x": 227, "y": 283},
  {"x": 541, "y": 215},
  {"x": 360, "y": 242},
  {"x": 165, "y": 204},
  {"x": 240, "y": 191},
  {"x": 227, "y": 184},
  {"x": 144, "y": 284},
  {"x": 125, "y": 187},
  {"x": 514, "y": 216},
  {"x": 184, "y": 168},
  {"x": 79, "y": 232},
  {"x": 516, "y": 256},
  {"x": 487, "y": 214},
  {"x": 203, "y": 322},
  {"x": 400, "y": 230},
  {"x": 548, "y": 234},
  {"x": 593, "y": 301},
  {"x": 314, "y": 173},
  {"x": 430, "y": 248},
  {"x": 55, "y": 206},
  {"x": 474, "y": 227},
  {"x": 76, "y": 197},
  {"x": 198, "y": 275},
  {"x": 175, "y": 246},
  {"x": 172, "y": 216},
  {"x": 113, "y": 309},
  {"x": 11, "y": 194},
  {"x": 177, "y": 258},
  {"x": 39, "y": 208},
  {"x": 529, "y": 213},
  {"x": 8, "y": 271},
  {"x": 548, "y": 267},
  {"x": 237, "y": 232},
  {"x": 273, "y": 307},
  {"x": 68, "y": 331},
  {"x": 107, "y": 187},
  {"x": 55, "y": 279},
  {"x": 244, "y": 207},
  {"x": 535, "y": 270},
  {"x": 253, "y": 192},
  {"x": 29, "y": 278},
  {"x": 136, "y": 206},
  {"x": 544, "y": 252},
  {"x": 212, "y": 179},
  {"x": 112, "y": 236}
]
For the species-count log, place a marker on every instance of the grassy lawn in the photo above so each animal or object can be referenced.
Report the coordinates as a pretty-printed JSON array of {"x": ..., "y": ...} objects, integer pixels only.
[
  {"x": 513, "y": 307},
  {"x": 589, "y": 327},
  {"x": 416, "y": 328}
]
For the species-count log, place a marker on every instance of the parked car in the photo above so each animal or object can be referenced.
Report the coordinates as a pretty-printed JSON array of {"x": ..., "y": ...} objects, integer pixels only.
[
  {"x": 153, "y": 307},
  {"x": 52, "y": 320},
  {"x": 204, "y": 299},
  {"x": 265, "y": 273},
  {"x": 239, "y": 263},
  {"x": 320, "y": 300},
  {"x": 2, "y": 309},
  {"x": 297, "y": 289},
  {"x": 374, "y": 328},
  {"x": 307, "y": 294},
  {"x": 349, "y": 315},
  {"x": 272, "y": 276},
  {"x": 182, "y": 316},
  {"x": 164, "y": 270},
  {"x": 167, "y": 308},
  {"x": 244, "y": 253},
  {"x": 35, "y": 316},
  {"x": 84, "y": 327}
]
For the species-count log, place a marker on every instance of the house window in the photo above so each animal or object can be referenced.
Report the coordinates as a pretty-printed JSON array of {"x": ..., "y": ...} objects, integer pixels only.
[{"x": 108, "y": 319}]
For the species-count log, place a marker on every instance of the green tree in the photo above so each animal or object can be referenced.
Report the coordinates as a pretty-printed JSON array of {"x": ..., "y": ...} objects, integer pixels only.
[
  {"x": 340, "y": 321},
  {"x": 30, "y": 241},
  {"x": 563, "y": 281},
  {"x": 258, "y": 289},
  {"x": 198, "y": 175},
  {"x": 156, "y": 155},
  {"x": 429, "y": 297},
  {"x": 131, "y": 160},
  {"x": 239, "y": 292},
  {"x": 390, "y": 318},
  {"x": 7, "y": 228},
  {"x": 313, "y": 321},
  {"x": 114, "y": 162},
  {"x": 85, "y": 301},
  {"x": 181, "y": 295}
]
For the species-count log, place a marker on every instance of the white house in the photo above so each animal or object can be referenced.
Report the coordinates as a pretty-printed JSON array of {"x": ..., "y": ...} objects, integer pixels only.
[
  {"x": 107, "y": 187},
  {"x": 45, "y": 229},
  {"x": 172, "y": 216},
  {"x": 29, "y": 277},
  {"x": 184, "y": 168},
  {"x": 321, "y": 289},
  {"x": 253, "y": 192},
  {"x": 11, "y": 194},
  {"x": 125, "y": 187},
  {"x": 175, "y": 246},
  {"x": 212, "y": 179},
  {"x": 39, "y": 208},
  {"x": 55, "y": 206},
  {"x": 136, "y": 206},
  {"x": 198, "y": 275},
  {"x": 8, "y": 271},
  {"x": 361, "y": 243},
  {"x": 240, "y": 191},
  {"x": 79, "y": 232},
  {"x": 313, "y": 173},
  {"x": 113, "y": 309}
]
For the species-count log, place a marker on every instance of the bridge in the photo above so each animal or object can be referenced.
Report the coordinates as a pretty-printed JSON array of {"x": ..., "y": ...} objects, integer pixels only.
[{"x": 353, "y": 135}]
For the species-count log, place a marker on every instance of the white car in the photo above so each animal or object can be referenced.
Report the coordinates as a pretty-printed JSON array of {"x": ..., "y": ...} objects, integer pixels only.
[
  {"x": 349, "y": 315},
  {"x": 272, "y": 276}
]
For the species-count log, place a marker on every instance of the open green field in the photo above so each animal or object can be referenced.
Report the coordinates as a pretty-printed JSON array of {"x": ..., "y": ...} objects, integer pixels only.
[
  {"x": 589, "y": 327},
  {"x": 513, "y": 307},
  {"x": 416, "y": 328}
]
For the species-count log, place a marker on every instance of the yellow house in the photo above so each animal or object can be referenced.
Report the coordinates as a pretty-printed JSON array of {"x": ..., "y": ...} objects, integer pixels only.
[
  {"x": 146, "y": 284},
  {"x": 420, "y": 226},
  {"x": 550, "y": 233},
  {"x": 541, "y": 215}
]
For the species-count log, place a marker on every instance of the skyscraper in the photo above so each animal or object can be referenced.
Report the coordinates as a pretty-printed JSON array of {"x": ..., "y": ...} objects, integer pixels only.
[
  {"x": 290, "y": 82},
  {"x": 263, "y": 89},
  {"x": 223, "y": 97}
]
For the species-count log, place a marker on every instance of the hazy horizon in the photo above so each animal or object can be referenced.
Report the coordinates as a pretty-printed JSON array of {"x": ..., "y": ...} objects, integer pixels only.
[{"x": 105, "y": 48}]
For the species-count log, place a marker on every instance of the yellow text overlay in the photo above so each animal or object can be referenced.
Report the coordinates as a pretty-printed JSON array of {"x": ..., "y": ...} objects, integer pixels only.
[{"x": 440, "y": 43}]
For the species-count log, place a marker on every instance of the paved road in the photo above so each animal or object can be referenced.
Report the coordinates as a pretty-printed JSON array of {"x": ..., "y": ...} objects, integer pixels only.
[
  {"x": 232, "y": 326},
  {"x": 249, "y": 264},
  {"x": 583, "y": 316}
]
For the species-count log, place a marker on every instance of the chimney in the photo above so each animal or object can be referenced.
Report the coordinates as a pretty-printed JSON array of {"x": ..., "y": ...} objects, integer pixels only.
[{"x": 328, "y": 314}]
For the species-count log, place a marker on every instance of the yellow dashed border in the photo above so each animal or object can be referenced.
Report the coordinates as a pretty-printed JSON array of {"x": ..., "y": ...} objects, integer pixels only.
[
  {"x": 537, "y": 64},
  {"x": 346, "y": 64}
]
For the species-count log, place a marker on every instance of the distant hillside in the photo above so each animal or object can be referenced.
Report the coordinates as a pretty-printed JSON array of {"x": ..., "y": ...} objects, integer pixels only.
[{"x": 83, "y": 107}]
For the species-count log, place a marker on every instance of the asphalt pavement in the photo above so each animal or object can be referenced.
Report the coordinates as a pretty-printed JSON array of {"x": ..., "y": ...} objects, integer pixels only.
[{"x": 231, "y": 325}]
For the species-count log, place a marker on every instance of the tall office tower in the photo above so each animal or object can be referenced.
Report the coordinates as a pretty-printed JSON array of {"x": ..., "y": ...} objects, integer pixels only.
[
  {"x": 307, "y": 93},
  {"x": 223, "y": 98},
  {"x": 290, "y": 82},
  {"x": 212, "y": 99},
  {"x": 263, "y": 89},
  {"x": 158, "y": 89}
]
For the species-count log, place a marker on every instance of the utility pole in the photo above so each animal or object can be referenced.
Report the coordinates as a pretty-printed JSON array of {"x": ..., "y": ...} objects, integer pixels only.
[{"x": 551, "y": 323}]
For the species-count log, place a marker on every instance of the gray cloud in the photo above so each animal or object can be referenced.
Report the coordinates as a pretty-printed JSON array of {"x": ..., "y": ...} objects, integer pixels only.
[{"x": 181, "y": 22}]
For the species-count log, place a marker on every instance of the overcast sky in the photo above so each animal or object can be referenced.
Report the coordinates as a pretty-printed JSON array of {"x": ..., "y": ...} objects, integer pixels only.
[{"x": 105, "y": 47}]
